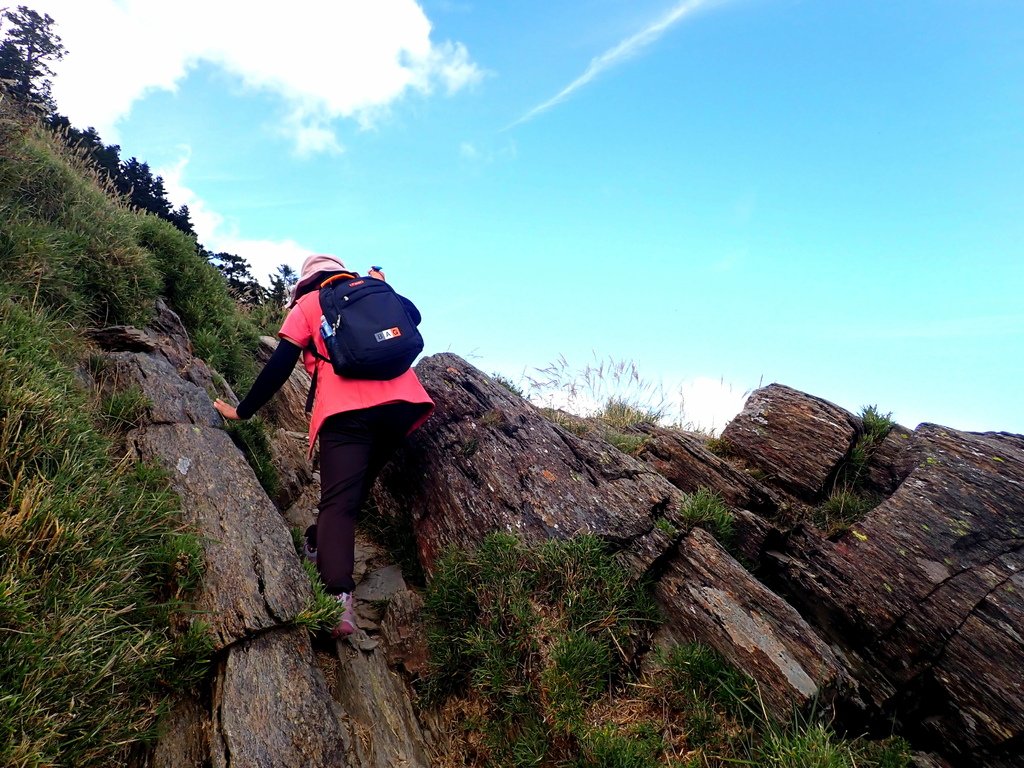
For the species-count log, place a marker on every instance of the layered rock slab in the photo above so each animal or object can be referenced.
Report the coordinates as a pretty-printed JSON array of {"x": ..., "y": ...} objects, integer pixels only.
[
  {"x": 252, "y": 579},
  {"x": 706, "y": 596},
  {"x": 385, "y": 731},
  {"x": 796, "y": 440},
  {"x": 683, "y": 460},
  {"x": 925, "y": 593},
  {"x": 488, "y": 461},
  {"x": 272, "y": 707}
]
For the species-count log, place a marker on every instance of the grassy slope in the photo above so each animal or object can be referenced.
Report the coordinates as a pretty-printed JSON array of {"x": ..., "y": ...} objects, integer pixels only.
[{"x": 92, "y": 559}]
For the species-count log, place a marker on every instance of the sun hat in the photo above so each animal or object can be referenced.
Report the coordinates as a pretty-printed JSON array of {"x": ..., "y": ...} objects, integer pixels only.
[{"x": 313, "y": 266}]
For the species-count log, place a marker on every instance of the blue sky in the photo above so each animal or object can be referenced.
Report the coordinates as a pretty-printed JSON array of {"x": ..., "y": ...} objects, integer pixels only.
[{"x": 822, "y": 194}]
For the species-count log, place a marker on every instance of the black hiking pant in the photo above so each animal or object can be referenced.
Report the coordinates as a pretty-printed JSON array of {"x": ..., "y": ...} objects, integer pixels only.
[{"x": 354, "y": 447}]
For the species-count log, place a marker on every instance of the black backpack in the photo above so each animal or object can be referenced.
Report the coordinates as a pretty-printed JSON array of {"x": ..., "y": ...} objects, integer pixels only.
[{"x": 369, "y": 330}]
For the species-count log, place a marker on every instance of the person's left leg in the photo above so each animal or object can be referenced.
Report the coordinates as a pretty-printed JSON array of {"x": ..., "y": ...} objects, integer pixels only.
[{"x": 346, "y": 444}]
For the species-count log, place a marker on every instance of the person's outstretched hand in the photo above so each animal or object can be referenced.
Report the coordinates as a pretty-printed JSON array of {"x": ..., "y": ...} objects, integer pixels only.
[
  {"x": 225, "y": 410},
  {"x": 376, "y": 273}
]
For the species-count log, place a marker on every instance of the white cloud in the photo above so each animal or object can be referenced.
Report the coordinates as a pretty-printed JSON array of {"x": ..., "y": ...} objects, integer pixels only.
[
  {"x": 342, "y": 59},
  {"x": 617, "y": 54},
  {"x": 219, "y": 235},
  {"x": 705, "y": 403}
]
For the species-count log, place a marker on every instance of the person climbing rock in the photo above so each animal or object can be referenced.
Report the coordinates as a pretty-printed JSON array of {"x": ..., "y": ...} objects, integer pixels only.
[{"x": 360, "y": 422}]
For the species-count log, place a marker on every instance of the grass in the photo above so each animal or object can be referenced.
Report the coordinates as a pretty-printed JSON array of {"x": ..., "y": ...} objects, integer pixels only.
[
  {"x": 124, "y": 410},
  {"x": 533, "y": 662},
  {"x": 849, "y": 501},
  {"x": 67, "y": 245},
  {"x": 253, "y": 439},
  {"x": 536, "y": 635},
  {"x": 621, "y": 414},
  {"x": 610, "y": 389},
  {"x": 508, "y": 384},
  {"x": 719, "y": 446},
  {"x": 705, "y": 509},
  {"x": 323, "y": 612},
  {"x": 567, "y": 421},
  {"x": 842, "y": 510},
  {"x": 94, "y": 564},
  {"x": 631, "y": 445}
]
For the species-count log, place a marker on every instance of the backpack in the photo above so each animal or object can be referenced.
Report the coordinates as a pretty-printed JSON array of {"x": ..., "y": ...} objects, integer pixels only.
[{"x": 369, "y": 330}]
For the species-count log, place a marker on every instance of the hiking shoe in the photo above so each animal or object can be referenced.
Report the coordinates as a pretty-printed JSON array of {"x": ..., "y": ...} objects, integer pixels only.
[
  {"x": 347, "y": 625},
  {"x": 309, "y": 543}
]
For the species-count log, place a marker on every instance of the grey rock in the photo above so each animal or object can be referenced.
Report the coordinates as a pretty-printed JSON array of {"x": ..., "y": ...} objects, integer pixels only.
[
  {"x": 173, "y": 400},
  {"x": 185, "y": 736},
  {"x": 381, "y": 584},
  {"x": 384, "y": 728},
  {"x": 294, "y": 472},
  {"x": 287, "y": 408},
  {"x": 707, "y": 596},
  {"x": 489, "y": 461},
  {"x": 797, "y": 441},
  {"x": 272, "y": 707},
  {"x": 927, "y": 593},
  {"x": 253, "y": 579}
]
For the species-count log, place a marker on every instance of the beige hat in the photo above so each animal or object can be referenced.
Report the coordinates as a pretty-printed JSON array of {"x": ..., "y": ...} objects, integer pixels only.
[{"x": 313, "y": 266}]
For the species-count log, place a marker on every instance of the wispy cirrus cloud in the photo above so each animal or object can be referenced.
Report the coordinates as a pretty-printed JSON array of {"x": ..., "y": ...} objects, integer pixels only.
[{"x": 617, "y": 54}]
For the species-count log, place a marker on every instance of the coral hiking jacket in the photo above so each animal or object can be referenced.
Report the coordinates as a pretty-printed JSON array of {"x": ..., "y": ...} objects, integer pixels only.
[{"x": 337, "y": 394}]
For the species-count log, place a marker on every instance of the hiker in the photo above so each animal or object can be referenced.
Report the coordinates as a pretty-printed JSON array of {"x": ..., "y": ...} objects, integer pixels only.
[{"x": 360, "y": 423}]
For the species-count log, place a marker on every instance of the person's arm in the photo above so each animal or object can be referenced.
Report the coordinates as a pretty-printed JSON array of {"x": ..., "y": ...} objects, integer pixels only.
[{"x": 273, "y": 376}]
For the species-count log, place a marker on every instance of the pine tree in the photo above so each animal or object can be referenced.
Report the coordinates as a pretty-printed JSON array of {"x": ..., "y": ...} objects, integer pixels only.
[
  {"x": 28, "y": 48},
  {"x": 281, "y": 285}
]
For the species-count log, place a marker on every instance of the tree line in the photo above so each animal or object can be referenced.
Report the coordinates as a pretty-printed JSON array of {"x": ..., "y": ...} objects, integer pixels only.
[{"x": 29, "y": 45}]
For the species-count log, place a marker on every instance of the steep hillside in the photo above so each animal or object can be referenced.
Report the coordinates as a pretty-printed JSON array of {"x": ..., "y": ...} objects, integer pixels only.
[{"x": 94, "y": 561}]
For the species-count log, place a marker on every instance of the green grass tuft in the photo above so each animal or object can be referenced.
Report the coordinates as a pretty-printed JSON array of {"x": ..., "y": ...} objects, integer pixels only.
[
  {"x": 841, "y": 510},
  {"x": 705, "y": 509},
  {"x": 508, "y": 384},
  {"x": 253, "y": 438},
  {"x": 631, "y": 445},
  {"x": 621, "y": 414},
  {"x": 620, "y": 747},
  {"x": 125, "y": 410},
  {"x": 323, "y": 612},
  {"x": 537, "y": 633}
]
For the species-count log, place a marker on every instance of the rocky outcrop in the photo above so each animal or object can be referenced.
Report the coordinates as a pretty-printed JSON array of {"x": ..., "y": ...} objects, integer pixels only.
[
  {"x": 707, "y": 597},
  {"x": 683, "y": 459},
  {"x": 487, "y": 461},
  {"x": 267, "y": 702},
  {"x": 253, "y": 580},
  {"x": 524, "y": 474},
  {"x": 911, "y": 619},
  {"x": 926, "y": 593},
  {"x": 795, "y": 441}
]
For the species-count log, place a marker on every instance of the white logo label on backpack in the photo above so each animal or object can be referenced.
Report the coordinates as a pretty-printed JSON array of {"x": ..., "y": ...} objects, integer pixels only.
[{"x": 390, "y": 333}]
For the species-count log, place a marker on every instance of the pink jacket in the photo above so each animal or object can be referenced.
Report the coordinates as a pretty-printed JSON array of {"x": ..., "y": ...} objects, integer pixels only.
[{"x": 337, "y": 394}]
